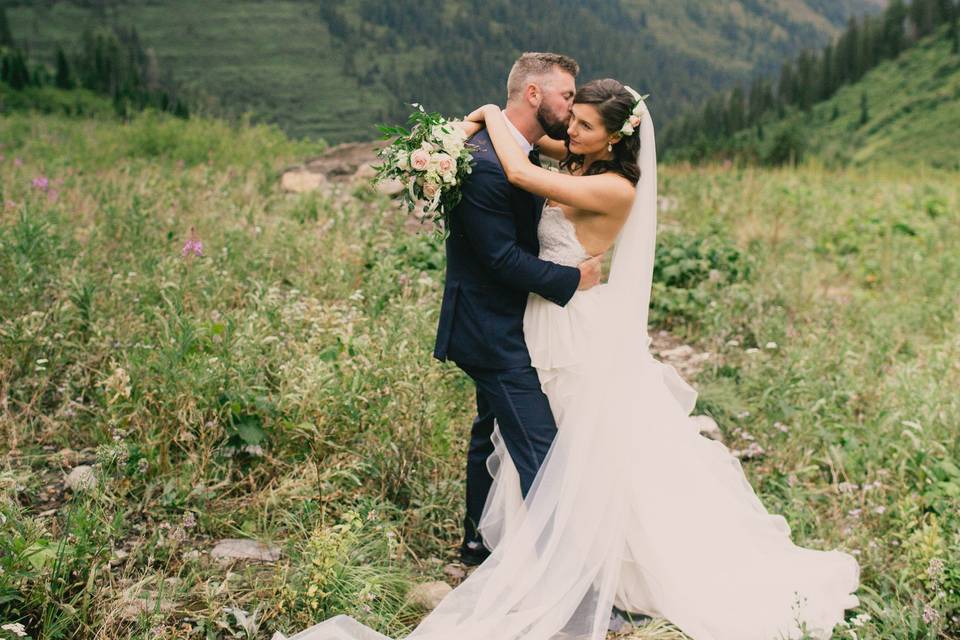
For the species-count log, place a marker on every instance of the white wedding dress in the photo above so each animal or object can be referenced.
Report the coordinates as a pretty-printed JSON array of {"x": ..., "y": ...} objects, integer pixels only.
[{"x": 632, "y": 506}]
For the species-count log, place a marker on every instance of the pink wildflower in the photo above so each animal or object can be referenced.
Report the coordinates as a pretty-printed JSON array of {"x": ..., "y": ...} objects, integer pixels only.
[
  {"x": 18, "y": 162},
  {"x": 41, "y": 183},
  {"x": 193, "y": 245}
]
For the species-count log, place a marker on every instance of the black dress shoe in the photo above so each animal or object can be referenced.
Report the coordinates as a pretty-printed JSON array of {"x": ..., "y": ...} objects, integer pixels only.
[{"x": 473, "y": 553}]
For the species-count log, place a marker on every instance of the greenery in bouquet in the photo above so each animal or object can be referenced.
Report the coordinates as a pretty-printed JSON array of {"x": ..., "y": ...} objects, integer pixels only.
[{"x": 430, "y": 159}]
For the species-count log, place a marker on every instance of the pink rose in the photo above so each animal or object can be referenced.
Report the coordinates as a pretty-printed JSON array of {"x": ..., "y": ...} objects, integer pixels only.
[
  {"x": 444, "y": 163},
  {"x": 420, "y": 160},
  {"x": 430, "y": 190},
  {"x": 635, "y": 121}
]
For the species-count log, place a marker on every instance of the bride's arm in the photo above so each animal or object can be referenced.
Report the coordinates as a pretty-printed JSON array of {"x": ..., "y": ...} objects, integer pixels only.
[
  {"x": 606, "y": 193},
  {"x": 556, "y": 149}
]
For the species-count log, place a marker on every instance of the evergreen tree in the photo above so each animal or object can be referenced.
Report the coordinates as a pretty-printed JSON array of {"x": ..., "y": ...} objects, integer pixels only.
[
  {"x": 16, "y": 73},
  {"x": 63, "y": 79},
  {"x": 893, "y": 36},
  {"x": 6, "y": 38},
  {"x": 864, "y": 109}
]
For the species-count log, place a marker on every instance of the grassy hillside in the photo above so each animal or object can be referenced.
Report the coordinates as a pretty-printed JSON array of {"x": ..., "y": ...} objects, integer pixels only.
[
  {"x": 279, "y": 385},
  {"x": 332, "y": 70},
  {"x": 904, "y": 111}
]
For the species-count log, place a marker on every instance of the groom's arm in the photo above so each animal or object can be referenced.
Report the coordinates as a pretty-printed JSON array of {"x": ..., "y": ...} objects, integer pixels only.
[{"x": 490, "y": 229}]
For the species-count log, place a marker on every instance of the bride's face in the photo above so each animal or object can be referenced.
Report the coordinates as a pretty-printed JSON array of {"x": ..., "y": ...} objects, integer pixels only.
[{"x": 586, "y": 131}]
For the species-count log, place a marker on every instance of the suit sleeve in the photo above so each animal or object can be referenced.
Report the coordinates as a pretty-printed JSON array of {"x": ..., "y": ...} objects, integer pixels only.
[{"x": 490, "y": 228}]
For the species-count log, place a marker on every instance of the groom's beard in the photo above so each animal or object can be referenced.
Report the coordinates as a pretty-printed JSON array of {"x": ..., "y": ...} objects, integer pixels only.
[{"x": 554, "y": 128}]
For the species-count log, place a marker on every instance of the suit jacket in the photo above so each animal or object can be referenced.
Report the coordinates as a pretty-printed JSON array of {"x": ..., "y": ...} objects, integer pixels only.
[{"x": 492, "y": 266}]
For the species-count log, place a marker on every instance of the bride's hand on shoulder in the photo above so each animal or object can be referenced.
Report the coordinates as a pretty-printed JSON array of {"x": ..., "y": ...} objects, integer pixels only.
[{"x": 474, "y": 122}]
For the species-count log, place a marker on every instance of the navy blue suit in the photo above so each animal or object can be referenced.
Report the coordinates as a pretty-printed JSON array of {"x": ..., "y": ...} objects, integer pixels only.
[{"x": 492, "y": 266}]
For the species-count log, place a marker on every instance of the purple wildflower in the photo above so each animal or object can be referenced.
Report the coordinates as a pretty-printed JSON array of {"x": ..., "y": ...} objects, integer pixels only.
[
  {"x": 193, "y": 245},
  {"x": 17, "y": 162},
  {"x": 41, "y": 182}
]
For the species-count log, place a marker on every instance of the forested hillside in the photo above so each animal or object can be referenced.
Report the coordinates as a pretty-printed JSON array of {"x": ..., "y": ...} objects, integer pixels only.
[
  {"x": 886, "y": 75},
  {"x": 334, "y": 69}
]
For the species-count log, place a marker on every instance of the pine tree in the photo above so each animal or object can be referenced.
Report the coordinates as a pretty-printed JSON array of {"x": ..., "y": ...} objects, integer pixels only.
[
  {"x": 6, "y": 38},
  {"x": 864, "y": 109},
  {"x": 63, "y": 80},
  {"x": 893, "y": 38},
  {"x": 18, "y": 76}
]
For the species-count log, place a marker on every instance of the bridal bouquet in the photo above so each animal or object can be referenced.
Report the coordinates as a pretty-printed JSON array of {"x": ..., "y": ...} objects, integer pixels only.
[{"x": 430, "y": 160}]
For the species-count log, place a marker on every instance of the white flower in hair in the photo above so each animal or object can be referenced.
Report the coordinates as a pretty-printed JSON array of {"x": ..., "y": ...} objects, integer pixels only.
[{"x": 633, "y": 120}]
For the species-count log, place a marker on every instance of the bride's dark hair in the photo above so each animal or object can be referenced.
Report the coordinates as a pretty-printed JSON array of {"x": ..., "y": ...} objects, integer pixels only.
[{"x": 615, "y": 104}]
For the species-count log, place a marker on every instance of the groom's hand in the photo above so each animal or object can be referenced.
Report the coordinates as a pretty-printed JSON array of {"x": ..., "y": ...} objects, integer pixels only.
[{"x": 590, "y": 272}]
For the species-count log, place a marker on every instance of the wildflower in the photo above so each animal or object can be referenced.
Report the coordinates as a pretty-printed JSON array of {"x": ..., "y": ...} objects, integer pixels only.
[
  {"x": 16, "y": 629},
  {"x": 854, "y": 513},
  {"x": 193, "y": 245},
  {"x": 860, "y": 620},
  {"x": 752, "y": 350},
  {"x": 935, "y": 569},
  {"x": 17, "y": 162},
  {"x": 880, "y": 510},
  {"x": 930, "y": 615},
  {"x": 53, "y": 195},
  {"x": 189, "y": 520},
  {"x": 119, "y": 383},
  {"x": 41, "y": 182},
  {"x": 2, "y": 157},
  {"x": 846, "y": 487},
  {"x": 770, "y": 345},
  {"x": 779, "y": 426},
  {"x": 10, "y": 204}
]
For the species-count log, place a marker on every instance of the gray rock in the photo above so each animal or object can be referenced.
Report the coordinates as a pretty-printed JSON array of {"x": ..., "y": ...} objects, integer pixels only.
[
  {"x": 455, "y": 571},
  {"x": 301, "y": 181},
  {"x": 238, "y": 549},
  {"x": 428, "y": 594},
  {"x": 81, "y": 478}
]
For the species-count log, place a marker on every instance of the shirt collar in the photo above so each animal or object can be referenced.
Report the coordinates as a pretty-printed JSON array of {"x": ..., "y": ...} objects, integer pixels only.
[{"x": 521, "y": 140}]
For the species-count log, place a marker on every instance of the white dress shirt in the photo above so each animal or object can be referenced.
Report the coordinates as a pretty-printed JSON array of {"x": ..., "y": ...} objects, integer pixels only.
[{"x": 519, "y": 137}]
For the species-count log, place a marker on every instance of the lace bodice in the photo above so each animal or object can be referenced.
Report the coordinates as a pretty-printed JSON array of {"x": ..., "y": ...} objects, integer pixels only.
[{"x": 558, "y": 239}]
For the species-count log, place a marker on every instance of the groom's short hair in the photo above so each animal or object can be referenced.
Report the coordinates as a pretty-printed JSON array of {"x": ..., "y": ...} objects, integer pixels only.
[{"x": 533, "y": 64}]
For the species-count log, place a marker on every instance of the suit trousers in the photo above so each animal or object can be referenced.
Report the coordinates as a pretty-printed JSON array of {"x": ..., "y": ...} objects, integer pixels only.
[{"x": 514, "y": 398}]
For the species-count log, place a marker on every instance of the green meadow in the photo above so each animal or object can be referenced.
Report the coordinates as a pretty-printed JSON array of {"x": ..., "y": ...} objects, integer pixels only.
[{"x": 232, "y": 361}]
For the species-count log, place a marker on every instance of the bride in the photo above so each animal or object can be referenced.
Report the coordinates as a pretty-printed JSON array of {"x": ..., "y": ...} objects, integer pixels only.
[{"x": 632, "y": 507}]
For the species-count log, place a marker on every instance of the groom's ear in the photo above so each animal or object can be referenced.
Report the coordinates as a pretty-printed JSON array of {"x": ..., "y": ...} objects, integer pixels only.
[{"x": 533, "y": 94}]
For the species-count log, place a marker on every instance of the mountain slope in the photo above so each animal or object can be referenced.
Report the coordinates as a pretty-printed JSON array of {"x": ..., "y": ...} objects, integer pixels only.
[
  {"x": 333, "y": 69},
  {"x": 904, "y": 111}
]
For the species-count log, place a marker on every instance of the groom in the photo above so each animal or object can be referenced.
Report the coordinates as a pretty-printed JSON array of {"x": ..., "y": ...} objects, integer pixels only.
[{"x": 492, "y": 266}]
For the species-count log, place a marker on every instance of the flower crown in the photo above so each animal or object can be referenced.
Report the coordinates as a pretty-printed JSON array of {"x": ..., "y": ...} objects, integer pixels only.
[{"x": 633, "y": 120}]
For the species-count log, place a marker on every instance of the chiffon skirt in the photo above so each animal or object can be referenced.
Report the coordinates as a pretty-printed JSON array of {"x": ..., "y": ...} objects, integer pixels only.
[{"x": 631, "y": 507}]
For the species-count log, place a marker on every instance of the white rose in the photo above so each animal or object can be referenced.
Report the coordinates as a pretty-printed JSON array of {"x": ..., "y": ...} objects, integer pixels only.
[
  {"x": 403, "y": 161},
  {"x": 426, "y": 146},
  {"x": 626, "y": 129}
]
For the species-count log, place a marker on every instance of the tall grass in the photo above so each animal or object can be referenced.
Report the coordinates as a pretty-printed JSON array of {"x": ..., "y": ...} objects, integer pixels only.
[{"x": 279, "y": 386}]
